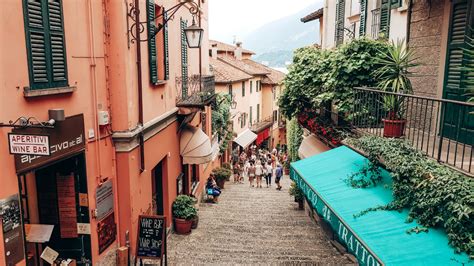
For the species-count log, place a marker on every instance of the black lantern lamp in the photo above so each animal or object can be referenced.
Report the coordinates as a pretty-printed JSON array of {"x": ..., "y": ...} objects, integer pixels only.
[{"x": 194, "y": 35}]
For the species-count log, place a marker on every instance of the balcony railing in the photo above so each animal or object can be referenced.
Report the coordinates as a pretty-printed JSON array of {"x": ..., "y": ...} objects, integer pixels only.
[
  {"x": 440, "y": 128},
  {"x": 195, "y": 91},
  {"x": 262, "y": 124}
]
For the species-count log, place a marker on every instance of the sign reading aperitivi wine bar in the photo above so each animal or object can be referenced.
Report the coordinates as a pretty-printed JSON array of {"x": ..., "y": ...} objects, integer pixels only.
[{"x": 29, "y": 144}]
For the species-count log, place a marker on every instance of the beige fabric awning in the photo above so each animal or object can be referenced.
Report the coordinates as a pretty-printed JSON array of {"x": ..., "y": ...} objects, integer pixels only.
[
  {"x": 310, "y": 146},
  {"x": 245, "y": 138},
  {"x": 195, "y": 146}
]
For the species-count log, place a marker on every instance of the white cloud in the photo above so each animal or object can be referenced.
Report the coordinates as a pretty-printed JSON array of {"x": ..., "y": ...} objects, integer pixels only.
[{"x": 228, "y": 18}]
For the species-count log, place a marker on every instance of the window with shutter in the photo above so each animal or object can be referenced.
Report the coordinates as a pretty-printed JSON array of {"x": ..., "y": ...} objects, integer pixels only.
[
  {"x": 231, "y": 93},
  {"x": 152, "y": 54},
  {"x": 340, "y": 17},
  {"x": 457, "y": 57},
  {"x": 385, "y": 19},
  {"x": 250, "y": 115},
  {"x": 251, "y": 86},
  {"x": 395, "y": 3},
  {"x": 363, "y": 17},
  {"x": 45, "y": 42},
  {"x": 258, "y": 113},
  {"x": 243, "y": 88},
  {"x": 184, "y": 59}
]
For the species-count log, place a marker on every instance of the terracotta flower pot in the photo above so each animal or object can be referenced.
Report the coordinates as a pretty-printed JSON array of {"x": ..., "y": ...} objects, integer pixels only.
[
  {"x": 182, "y": 226},
  {"x": 220, "y": 183},
  {"x": 195, "y": 222},
  {"x": 393, "y": 128}
]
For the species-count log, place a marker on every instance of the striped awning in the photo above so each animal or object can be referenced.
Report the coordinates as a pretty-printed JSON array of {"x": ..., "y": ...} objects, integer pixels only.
[
  {"x": 195, "y": 146},
  {"x": 245, "y": 138}
]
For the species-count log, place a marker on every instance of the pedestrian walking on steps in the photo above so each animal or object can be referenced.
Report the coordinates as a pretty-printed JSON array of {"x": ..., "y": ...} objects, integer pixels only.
[
  {"x": 259, "y": 173},
  {"x": 269, "y": 173},
  {"x": 245, "y": 170},
  {"x": 278, "y": 175},
  {"x": 236, "y": 172},
  {"x": 251, "y": 172}
]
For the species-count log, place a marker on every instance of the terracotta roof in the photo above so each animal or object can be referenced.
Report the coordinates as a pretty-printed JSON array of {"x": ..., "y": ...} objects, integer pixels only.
[
  {"x": 244, "y": 66},
  {"x": 313, "y": 16},
  {"x": 273, "y": 77},
  {"x": 225, "y": 73},
  {"x": 224, "y": 47}
]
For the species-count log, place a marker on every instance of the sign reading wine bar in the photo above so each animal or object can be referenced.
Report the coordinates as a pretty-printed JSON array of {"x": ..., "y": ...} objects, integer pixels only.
[
  {"x": 151, "y": 236},
  {"x": 29, "y": 144}
]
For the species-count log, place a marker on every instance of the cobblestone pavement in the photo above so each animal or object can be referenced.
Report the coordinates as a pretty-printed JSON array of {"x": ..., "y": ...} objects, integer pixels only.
[{"x": 253, "y": 226}]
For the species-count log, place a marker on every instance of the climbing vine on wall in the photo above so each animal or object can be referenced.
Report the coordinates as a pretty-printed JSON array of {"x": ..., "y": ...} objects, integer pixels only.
[
  {"x": 294, "y": 138},
  {"x": 435, "y": 195}
]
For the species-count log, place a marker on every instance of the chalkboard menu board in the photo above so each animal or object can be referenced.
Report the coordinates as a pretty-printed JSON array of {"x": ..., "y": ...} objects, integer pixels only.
[{"x": 151, "y": 236}]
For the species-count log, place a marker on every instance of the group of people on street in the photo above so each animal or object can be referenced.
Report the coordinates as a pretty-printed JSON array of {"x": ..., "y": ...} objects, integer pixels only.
[{"x": 255, "y": 165}]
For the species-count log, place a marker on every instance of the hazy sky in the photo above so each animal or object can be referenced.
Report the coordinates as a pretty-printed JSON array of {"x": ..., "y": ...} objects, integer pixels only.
[{"x": 239, "y": 17}]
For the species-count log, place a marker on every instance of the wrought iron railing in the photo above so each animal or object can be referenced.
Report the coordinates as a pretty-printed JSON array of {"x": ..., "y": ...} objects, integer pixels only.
[
  {"x": 440, "y": 128},
  {"x": 195, "y": 90},
  {"x": 265, "y": 123},
  {"x": 375, "y": 26}
]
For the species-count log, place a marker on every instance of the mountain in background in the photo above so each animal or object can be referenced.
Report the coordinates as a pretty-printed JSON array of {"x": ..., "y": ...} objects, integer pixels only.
[{"x": 275, "y": 42}]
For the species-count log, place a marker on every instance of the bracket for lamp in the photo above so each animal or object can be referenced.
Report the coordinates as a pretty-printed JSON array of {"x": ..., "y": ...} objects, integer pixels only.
[
  {"x": 28, "y": 122},
  {"x": 134, "y": 15}
]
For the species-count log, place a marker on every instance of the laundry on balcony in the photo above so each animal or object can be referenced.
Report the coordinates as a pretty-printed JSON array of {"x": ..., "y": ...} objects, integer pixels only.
[
  {"x": 195, "y": 146},
  {"x": 245, "y": 138},
  {"x": 375, "y": 238},
  {"x": 311, "y": 146}
]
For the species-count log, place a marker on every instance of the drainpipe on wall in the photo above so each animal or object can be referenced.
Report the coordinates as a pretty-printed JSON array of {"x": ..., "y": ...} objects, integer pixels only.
[
  {"x": 410, "y": 3},
  {"x": 139, "y": 88}
]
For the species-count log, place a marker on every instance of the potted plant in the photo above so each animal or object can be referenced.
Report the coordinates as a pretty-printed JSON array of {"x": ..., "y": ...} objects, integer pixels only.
[
  {"x": 183, "y": 213},
  {"x": 286, "y": 167},
  {"x": 393, "y": 75},
  {"x": 228, "y": 167},
  {"x": 298, "y": 194},
  {"x": 221, "y": 174}
]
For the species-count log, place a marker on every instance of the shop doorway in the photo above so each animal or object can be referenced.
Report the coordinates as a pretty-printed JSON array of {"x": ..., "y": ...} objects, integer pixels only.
[
  {"x": 59, "y": 190},
  {"x": 157, "y": 189}
]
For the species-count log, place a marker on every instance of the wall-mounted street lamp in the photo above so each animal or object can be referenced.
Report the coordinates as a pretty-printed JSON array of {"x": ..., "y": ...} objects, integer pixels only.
[{"x": 193, "y": 33}]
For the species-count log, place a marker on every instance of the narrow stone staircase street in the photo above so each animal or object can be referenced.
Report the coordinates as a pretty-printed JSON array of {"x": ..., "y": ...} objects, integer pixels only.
[{"x": 253, "y": 226}]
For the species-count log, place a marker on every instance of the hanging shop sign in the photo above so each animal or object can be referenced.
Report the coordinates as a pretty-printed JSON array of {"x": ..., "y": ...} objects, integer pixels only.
[
  {"x": 104, "y": 197},
  {"x": 107, "y": 230},
  {"x": 151, "y": 237},
  {"x": 344, "y": 234},
  {"x": 67, "y": 206},
  {"x": 25, "y": 144},
  {"x": 64, "y": 140},
  {"x": 13, "y": 240}
]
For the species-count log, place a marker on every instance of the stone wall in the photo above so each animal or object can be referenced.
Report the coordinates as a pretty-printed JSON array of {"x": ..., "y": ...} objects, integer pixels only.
[{"x": 427, "y": 42}]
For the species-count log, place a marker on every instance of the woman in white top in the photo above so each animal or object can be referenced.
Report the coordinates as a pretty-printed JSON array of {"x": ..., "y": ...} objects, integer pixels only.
[
  {"x": 269, "y": 173},
  {"x": 259, "y": 171}
]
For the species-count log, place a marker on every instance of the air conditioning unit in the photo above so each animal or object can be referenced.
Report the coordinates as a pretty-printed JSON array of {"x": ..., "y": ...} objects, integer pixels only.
[{"x": 104, "y": 118}]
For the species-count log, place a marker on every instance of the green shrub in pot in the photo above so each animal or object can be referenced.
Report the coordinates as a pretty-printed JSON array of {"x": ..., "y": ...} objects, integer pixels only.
[{"x": 183, "y": 208}]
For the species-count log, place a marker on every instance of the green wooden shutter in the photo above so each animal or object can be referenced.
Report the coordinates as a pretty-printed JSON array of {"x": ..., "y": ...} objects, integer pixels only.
[
  {"x": 395, "y": 3},
  {"x": 152, "y": 55},
  {"x": 385, "y": 18},
  {"x": 184, "y": 59},
  {"x": 243, "y": 88},
  {"x": 363, "y": 17},
  {"x": 258, "y": 113},
  {"x": 45, "y": 44},
  {"x": 250, "y": 120},
  {"x": 457, "y": 57},
  {"x": 340, "y": 17},
  {"x": 166, "y": 47},
  {"x": 251, "y": 86}
]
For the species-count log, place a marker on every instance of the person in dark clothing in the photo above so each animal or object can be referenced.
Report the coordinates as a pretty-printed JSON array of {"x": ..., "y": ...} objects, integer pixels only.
[
  {"x": 278, "y": 175},
  {"x": 212, "y": 188}
]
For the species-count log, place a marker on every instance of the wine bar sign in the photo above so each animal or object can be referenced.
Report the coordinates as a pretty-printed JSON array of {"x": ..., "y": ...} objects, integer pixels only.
[{"x": 29, "y": 144}]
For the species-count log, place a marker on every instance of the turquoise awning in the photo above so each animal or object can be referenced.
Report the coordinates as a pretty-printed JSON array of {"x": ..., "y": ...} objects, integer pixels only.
[{"x": 376, "y": 238}]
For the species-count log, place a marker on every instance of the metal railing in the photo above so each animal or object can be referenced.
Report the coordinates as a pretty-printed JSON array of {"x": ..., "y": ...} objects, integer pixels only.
[
  {"x": 260, "y": 125},
  {"x": 442, "y": 129},
  {"x": 375, "y": 26},
  {"x": 195, "y": 90}
]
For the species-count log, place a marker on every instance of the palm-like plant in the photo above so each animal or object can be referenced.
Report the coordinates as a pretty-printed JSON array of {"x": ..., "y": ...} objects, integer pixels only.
[{"x": 394, "y": 76}]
